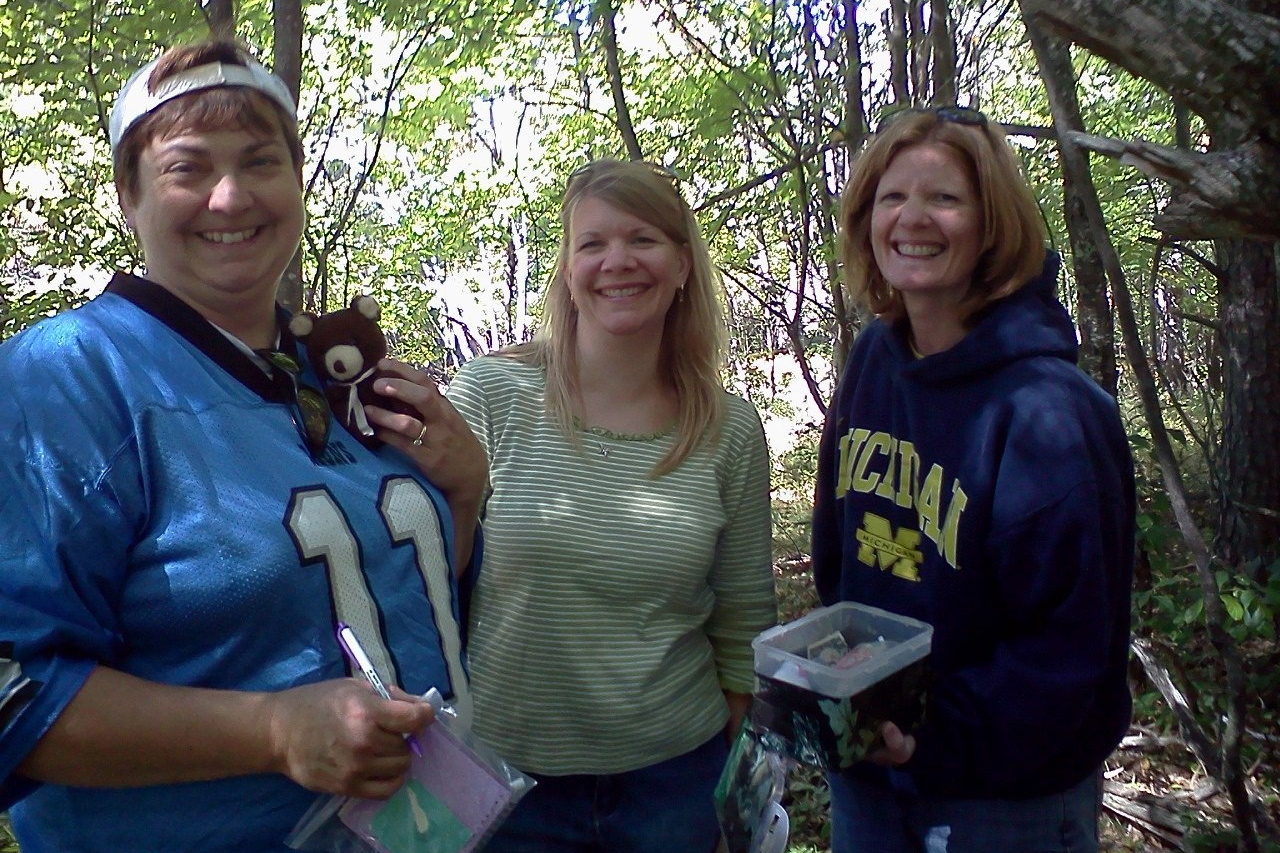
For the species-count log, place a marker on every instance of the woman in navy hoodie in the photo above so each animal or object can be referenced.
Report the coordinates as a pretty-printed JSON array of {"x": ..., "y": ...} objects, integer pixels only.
[{"x": 973, "y": 477}]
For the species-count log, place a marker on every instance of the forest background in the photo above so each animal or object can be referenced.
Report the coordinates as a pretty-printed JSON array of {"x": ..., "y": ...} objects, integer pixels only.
[{"x": 438, "y": 136}]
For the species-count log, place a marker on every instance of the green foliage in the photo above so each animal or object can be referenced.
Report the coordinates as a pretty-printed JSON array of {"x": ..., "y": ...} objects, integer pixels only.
[
  {"x": 1158, "y": 538},
  {"x": 438, "y": 136},
  {"x": 1215, "y": 837},
  {"x": 1170, "y": 612},
  {"x": 1251, "y": 606},
  {"x": 793, "y": 473},
  {"x": 60, "y": 64},
  {"x": 807, "y": 802},
  {"x": 806, "y": 798},
  {"x": 17, "y": 314},
  {"x": 1171, "y": 608}
]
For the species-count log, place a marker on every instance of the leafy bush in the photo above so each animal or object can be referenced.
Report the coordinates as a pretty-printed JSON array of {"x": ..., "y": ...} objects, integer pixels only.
[
  {"x": 7, "y": 843},
  {"x": 807, "y": 799}
]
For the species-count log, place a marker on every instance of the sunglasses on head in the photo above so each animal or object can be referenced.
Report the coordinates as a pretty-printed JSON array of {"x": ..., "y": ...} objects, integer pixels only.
[
  {"x": 308, "y": 406},
  {"x": 952, "y": 114},
  {"x": 586, "y": 169}
]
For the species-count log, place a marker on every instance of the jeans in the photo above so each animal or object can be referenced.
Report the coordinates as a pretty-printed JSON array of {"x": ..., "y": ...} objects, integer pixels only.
[
  {"x": 870, "y": 818},
  {"x": 663, "y": 808}
]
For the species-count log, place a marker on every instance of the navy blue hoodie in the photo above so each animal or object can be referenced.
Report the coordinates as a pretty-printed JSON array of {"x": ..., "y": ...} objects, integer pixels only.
[{"x": 988, "y": 490}]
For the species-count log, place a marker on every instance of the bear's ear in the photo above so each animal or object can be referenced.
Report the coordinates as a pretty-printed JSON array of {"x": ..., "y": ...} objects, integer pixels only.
[
  {"x": 302, "y": 324},
  {"x": 367, "y": 306}
]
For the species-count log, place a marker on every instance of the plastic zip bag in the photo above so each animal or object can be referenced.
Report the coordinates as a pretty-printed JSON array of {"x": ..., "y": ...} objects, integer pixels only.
[
  {"x": 457, "y": 793},
  {"x": 748, "y": 797}
]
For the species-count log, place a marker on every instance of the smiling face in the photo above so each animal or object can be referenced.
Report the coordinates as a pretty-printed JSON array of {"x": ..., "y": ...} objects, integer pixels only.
[
  {"x": 623, "y": 273},
  {"x": 926, "y": 226},
  {"x": 218, "y": 214}
]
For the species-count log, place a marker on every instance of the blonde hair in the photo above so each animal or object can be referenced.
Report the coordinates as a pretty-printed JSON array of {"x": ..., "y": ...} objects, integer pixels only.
[
  {"x": 1013, "y": 233},
  {"x": 204, "y": 109},
  {"x": 693, "y": 338}
]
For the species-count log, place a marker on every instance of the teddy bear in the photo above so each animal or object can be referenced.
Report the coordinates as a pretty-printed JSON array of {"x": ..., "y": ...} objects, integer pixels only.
[{"x": 344, "y": 347}]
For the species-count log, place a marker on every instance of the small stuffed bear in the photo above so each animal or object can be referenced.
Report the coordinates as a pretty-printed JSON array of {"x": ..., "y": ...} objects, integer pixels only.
[{"x": 344, "y": 347}]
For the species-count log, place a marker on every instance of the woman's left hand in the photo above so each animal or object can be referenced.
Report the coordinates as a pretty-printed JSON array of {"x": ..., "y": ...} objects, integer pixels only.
[{"x": 439, "y": 441}]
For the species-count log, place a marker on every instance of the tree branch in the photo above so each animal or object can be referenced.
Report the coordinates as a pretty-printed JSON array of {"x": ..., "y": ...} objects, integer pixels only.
[
  {"x": 1221, "y": 61},
  {"x": 622, "y": 114},
  {"x": 1233, "y": 193}
]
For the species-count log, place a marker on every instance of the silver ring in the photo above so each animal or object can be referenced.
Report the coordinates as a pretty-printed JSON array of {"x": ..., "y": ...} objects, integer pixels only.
[{"x": 417, "y": 442}]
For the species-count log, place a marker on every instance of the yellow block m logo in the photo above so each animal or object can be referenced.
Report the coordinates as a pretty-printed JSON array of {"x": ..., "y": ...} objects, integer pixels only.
[{"x": 881, "y": 547}]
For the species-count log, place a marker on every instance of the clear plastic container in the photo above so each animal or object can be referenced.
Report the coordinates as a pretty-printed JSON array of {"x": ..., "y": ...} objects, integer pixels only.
[
  {"x": 782, "y": 652},
  {"x": 828, "y": 712}
]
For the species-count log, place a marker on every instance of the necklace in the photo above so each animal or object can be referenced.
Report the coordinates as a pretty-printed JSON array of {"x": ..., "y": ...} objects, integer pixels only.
[
  {"x": 602, "y": 450},
  {"x": 911, "y": 343}
]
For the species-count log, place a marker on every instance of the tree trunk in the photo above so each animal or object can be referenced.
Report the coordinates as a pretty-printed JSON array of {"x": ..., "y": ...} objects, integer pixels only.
[
  {"x": 1249, "y": 455},
  {"x": 918, "y": 39},
  {"x": 287, "y": 63},
  {"x": 220, "y": 15},
  {"x": 1249, "y": 322},
  {"x": 1080, "y": 200},
  {"x": 895, "y": 26},
  {"x": 855, "y": 129},
  {"x": 622, "y": 114},
  {"x": 943, "y": 40}
]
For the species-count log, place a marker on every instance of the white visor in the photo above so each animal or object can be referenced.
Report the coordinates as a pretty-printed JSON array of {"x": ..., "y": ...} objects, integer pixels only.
[{"x": 137, "y": 100}]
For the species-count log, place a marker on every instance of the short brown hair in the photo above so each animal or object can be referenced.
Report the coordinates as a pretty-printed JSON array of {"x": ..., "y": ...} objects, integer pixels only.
[
  {"x": 1013, "y": 231},
  {"x": 204, "y": 109}
]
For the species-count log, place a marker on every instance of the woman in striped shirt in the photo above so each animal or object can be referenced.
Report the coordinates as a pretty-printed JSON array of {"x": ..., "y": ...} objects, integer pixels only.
[{"x": 627, "y": 554}]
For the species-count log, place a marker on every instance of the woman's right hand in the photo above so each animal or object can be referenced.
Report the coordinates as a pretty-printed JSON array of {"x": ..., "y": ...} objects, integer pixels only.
[
  {"x": 898, "y": 747},
  {"x": 340, "y": 737},
  {"x": 122, "y": 731}
]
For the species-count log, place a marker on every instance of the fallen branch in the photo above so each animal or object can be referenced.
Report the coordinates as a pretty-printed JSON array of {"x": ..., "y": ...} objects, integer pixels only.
[
  {"x": 1142, "y": 811},
  {"x": 1197, "y": 739},
  {"x": 1145, "y": 742}
]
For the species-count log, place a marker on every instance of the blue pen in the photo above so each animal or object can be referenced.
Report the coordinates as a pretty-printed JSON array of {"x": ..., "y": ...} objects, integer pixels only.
[{"x": 355, "y": 651}]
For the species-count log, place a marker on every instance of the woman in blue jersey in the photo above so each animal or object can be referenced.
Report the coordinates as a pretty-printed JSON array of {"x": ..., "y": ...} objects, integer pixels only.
[
  {"x": 973, "y": 477},
  {"x": 627, "y": 553},
  {"x": 183, "y": 526}
]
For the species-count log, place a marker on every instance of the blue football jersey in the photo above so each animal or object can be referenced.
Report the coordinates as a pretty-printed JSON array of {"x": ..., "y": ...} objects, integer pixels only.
[{"x": 162, "y": 515}]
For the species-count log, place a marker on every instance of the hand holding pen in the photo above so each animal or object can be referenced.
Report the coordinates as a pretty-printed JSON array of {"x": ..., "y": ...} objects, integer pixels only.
[
  {"x": 356, "y": 653},
  {"x": 338, "y": 736}
]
